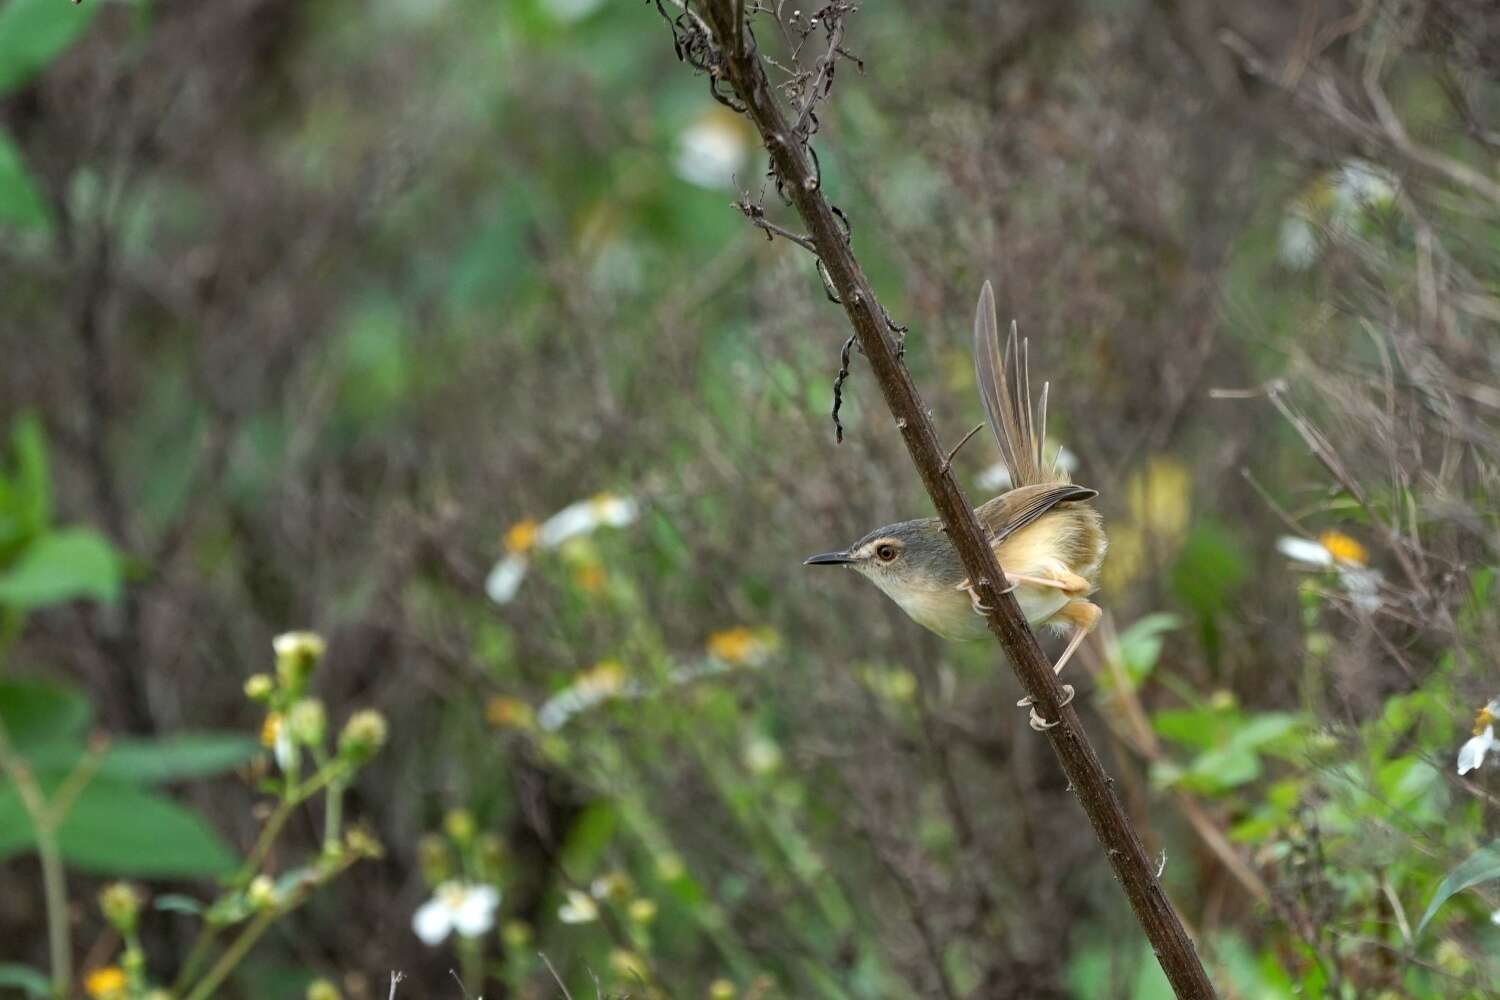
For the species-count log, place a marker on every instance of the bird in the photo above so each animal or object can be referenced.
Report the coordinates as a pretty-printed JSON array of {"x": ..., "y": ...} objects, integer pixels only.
[{"x": 1047, "y": 536}]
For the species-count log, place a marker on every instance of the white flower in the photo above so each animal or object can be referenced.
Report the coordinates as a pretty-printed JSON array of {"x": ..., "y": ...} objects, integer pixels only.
[
  {"x": 604, "y": 510},
  {"x": 1297, "y": 243},
  {"x": 1362, "y": 185},
  {"x": 299, "y": 644},
  {"x": 580, "y": 908},
  {"x": 1304, "y": 551},
  {"x": 1473, "y": 752},
  {"x": 1495, "y": 918},
  {"x": 465, "y": 907},
  {"x": 996, "y": 478},
  {"x": 1362, "y": 585},
  {"x": 505, "y": 579},
  {"x": 710, "y": 151},
  {"x": 1338, "y": 551}
]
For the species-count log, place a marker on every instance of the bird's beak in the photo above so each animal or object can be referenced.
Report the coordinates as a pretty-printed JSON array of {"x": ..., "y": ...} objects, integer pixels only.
[{"x": 829, "y": 559}]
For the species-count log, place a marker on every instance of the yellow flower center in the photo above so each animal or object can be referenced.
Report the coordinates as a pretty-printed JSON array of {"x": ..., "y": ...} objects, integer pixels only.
[
  {"x": 508, "y": 713},
  {"x": 1484, "y": 719},
  {"x": 1343, "y": 548},
  {"x": 733, "y": 645},
  {"x": 606, "y": 677},
  {"x": 270, "y": 729},
  {"x": 106, "y": 983},
  {"x": 521, "y": 536}
]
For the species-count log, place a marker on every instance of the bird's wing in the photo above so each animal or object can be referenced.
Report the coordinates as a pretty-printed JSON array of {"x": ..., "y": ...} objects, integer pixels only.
[
  {"x": 1011, "y": 511},
  {"x": 1020, "y": 432}
]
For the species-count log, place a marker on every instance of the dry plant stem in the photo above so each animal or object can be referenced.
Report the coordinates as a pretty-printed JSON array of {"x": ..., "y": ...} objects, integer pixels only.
[{"x": 1135, "y": 870}]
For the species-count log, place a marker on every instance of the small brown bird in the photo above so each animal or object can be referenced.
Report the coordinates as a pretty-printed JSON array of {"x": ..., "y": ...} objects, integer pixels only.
[{"x": 1046, "y": 536}]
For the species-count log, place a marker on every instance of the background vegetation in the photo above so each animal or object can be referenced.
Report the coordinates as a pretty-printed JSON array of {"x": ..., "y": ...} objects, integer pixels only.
[{"x": 429, "y": 326}]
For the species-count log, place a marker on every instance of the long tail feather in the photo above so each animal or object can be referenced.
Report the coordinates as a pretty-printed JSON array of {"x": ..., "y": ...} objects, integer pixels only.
[{"x": 1009, "y": 408}]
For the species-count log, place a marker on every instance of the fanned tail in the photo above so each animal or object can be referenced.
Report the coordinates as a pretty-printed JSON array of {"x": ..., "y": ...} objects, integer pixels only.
[{"x": 1020, "y": 434}]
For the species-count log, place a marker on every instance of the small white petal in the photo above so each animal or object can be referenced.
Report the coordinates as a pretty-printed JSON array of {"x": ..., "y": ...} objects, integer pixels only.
[
  {"x": 476, "y": 913},
  {"x": 617, "y": 512},
  {"x": 1303, "y": 551},
  {"x": 505, "y": 579},
  {"x": 284, "y": 749},
  {"x": 1362, "y": 585},
  {"x": 995, "y": 478},
  {"x": 1297, "y": 243},
  {"x": 1494, "y": 707},
  {"x": 573, "y": 520},
  {"x": 1471, "y": 754},
  {"x": 432, "y": 922},
  {"x": 1495, "y": 918},
  {"x": 579, "y": 909}
]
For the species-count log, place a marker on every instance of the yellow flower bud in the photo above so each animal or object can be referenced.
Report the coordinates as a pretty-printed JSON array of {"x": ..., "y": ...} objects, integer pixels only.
[
  {"x": 297, "y": 654},
  {"x": 261, "y": 893},
  {"x": 322, "y": 989},
  {"x": 642, "y": 910},
  {"x": 308, "y": 722},
  {"x": 259, "y": 687},
  {"x": 459, "y": 823},
  {"x": 106, "y": 983},
  {"x": 721, "y": 989}
]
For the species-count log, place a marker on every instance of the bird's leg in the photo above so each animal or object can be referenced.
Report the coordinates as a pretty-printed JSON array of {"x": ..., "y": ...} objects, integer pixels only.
[{"x": 1083, "y": 616}]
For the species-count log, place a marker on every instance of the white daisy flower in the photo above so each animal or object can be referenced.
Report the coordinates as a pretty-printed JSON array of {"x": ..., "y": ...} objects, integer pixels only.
[
  {"x": 505, "y": 579},
  {"x": 1304, "y": 551},
  {"x": 579, "y": 908},
  {"x": 464, "y": 907},
  {"x": 1473, "y": 752}
]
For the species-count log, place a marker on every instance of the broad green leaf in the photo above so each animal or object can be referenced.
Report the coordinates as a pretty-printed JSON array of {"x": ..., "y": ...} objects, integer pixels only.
[
  {"x": 1194, "y": 727},
  {"x": 1262, "y": 729},
  {"x": 1225, "y": 767},
  {"x": 1140, "y": 644},
  {"x": 34, "y": 32},
  {"x": 119, "y": 829},
  {"x": 171, "y": 758},
  {"x": 62, "y": 566},
  {"x": 32, "y": 982},
  {"x": 20, "y": 205},
  {"x": 1481, "y": 866},
  {"x": 38, "y": 713}
]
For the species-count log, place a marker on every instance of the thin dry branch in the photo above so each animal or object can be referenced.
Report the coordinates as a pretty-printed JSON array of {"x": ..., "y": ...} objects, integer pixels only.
[{"x": 795, "y": 169}]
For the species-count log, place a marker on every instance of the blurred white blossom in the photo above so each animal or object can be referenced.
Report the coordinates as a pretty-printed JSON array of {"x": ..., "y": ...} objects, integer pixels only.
[
  {"x": 505, "y": 579},
  {"x": 579, "y": 908},
  {"x": 1297, "y": 243},
  {"x": 465, "y": 907},
  {"x": 996, "y": 478},
  {"x": 583, "y": 517},
  {"x": 1473, "y": 752},
  {"x": 711, "y": 151},
  {"x": 1338, "y": 552},
  {"x": 1361, "y": 185},
  {"x": 573, "y": 521}
]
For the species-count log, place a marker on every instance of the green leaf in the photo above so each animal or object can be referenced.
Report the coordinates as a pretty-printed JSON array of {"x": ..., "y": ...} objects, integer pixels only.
[
  {"x": 1481, "y": 866},
  {"x": 1140, "y": 644},
  {"x": 35, "y": 32},
  {"x": 37, "y": 713},
  {"x": 119, "y": 829},
  {"x": 33, "y": 479},
  {"x": 62, "y": 566},
  {"x": 1226, "y": 767},
  {"x": 29, "y": 981},
  {"x": 589, "y": 835},
  {"x": 171, "y": 758},
  {"x": 176, "y": 902},
  {"x": 1262, "y": 729},
  {"x": 20, "y": 204}
]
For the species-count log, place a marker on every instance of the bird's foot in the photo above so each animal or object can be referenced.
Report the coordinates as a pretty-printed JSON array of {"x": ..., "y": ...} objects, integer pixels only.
[
  {"x": 980, "y": 608},
  {"x": 1038, "y": 723}
]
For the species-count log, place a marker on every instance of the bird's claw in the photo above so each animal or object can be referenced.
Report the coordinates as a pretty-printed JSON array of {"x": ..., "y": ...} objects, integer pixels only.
[
  {"x": 1040, "y": 724},
  {"x": 980, "y": 608}
]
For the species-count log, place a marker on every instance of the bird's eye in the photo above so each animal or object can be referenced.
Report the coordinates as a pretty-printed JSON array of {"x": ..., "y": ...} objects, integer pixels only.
[{"x": 886, "y": 552}]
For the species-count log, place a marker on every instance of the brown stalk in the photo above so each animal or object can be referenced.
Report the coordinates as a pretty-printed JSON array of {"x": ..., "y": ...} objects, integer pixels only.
[{"x": 742, "y": 69}]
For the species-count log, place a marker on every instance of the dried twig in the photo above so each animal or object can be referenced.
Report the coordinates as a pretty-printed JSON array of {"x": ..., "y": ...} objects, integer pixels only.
[{"x": 796, "y": 172}]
